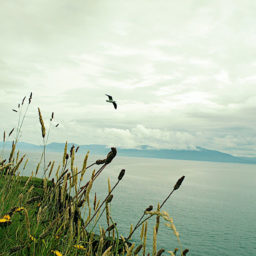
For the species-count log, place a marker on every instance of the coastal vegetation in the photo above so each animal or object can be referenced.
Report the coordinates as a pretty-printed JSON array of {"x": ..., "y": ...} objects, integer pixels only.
[{"x": 57, "y": 213}]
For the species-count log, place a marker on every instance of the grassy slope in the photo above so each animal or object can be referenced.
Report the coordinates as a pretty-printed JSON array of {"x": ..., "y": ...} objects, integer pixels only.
[{"x": 15, "y": 234}]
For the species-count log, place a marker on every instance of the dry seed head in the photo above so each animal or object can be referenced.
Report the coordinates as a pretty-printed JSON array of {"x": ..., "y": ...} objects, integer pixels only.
[
  {"x": 37, "y": 168},
  {"x": 71, "y": 149},
  {"x": 18, "y": 164},
  {"x": 4, "y": 137},
  {"x": 94, "y": 201},
  {"x": 108, "y": 251},
  {"x": 137, "y": 250},
  {"x": 72, "y": 154},
  {"x": 64, "y": 155},
  {"x": 84, "y": 165},
  {"x": 142, "y": 232},
  {"x": 41, "y": 122},
  {"x": 99, "y": 161},
  {"x": 57, "y": 171},
  {"x": 30, "y": 98},
  {"x": 23, "y": 100},
  {"x": 145, "y": 238},
  {"x": 129, "y": 251},
  {"x": 100, "y": 247},
  {"x": 63, "y": 189},
  {"x": 185, "y": 252},
  {"x": 87, "y": 191},
  {"x": 158, "y": 218},
  {"x": 29, "y": 179},
  {"x": 107, "y": 214},
  {"x": 10, "y": 133},
  {"x": 30, "y": 189},
  {"x": 150, "y": 208},
  {"x": 51, "y": 169},
  {"x": 109, "y": 198},
  {"x": 178, "y": 183},
  {"x": 14, "y": 110},
  {"x": 111, "y": 227},
  {"x": 131, "y": 229},
  {"x": 25, "y": 164},
  {"x": 111, "y": 155},
  {"x": 12, "y": 152},
  {"x": 154, "y": 242},
  {"x": 109, "y": 186},
  {"x": 121, "y": 174},
  {"x": 77, "y": 148},
  {"x": 160, "y": 252},
  {"x": 17, "y": 156},
  {"x": 97, "y": 205}
]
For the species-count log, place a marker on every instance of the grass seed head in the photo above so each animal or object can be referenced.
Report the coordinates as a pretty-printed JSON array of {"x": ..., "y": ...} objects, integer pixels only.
[
  {"x": 30, "y": 98},
  {"x": 160, "y": 252},
  {"x": 150, "y": 208},
  {"x": 138, "y": 249},
  {"x": 121, "y": 174},
  {"x": 109, "y": 199},
  {"x": 178, "y": 183},
  {"x": 111, "y": 155}
]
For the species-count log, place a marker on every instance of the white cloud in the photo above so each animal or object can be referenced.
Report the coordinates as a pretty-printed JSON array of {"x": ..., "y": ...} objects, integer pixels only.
[{"x": 183, "y": 75}]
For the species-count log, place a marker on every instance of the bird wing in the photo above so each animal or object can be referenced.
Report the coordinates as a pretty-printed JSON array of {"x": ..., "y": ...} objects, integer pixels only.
[
  {"x": 110, "y": 97},
  {"x": 115, "y": 105}
]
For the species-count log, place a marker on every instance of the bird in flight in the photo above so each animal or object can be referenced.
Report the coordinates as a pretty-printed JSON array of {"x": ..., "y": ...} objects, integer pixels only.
[{"x": 110, "y": 100}]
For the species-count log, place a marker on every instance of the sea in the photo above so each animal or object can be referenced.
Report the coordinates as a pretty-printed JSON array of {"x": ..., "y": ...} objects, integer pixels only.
[{"x": 214, "y": 209}]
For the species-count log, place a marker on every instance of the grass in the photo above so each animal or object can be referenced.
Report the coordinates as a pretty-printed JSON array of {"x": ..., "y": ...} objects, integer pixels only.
[{"x": 57, "y": 216}]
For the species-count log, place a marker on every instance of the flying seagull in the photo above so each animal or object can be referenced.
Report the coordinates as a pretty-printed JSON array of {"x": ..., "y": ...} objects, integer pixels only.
[{"x": 110, "y": 100}]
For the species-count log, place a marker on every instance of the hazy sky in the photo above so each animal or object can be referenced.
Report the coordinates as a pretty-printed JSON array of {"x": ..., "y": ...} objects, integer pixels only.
[{"x": 183, "y": 73}]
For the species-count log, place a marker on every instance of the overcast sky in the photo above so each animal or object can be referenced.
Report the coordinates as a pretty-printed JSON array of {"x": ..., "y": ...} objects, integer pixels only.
[{"x": 183, "y": 73}]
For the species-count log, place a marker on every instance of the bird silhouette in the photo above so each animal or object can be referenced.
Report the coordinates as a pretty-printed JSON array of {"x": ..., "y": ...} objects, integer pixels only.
[{"x": 110, "y": 100}]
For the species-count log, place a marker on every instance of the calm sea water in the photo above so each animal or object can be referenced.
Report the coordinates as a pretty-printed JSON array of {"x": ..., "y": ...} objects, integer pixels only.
[{"x": 214, "y": 210}]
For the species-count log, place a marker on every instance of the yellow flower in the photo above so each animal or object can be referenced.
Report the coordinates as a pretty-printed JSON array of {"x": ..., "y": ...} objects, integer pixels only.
[
  {"x": 57, "y": 253},
  {"x": 19, "y": 209},
  {"x": 77, "y": 246},
  {"x": 32, "y": 238},
  {"x": 5, "y": 221},
  {"x": 7, "y": 217}
]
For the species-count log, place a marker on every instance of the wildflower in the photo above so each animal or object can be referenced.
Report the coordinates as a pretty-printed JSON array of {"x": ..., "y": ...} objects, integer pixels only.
[
  {"x": 7, "y": 217},
  {"x": 19, "y": 209},
  {"x": 77, "y": 246},
  {"x": 56, "y": 252},
  {"x": 32, "y": 238},
  {"x": 4, "y": 221}
]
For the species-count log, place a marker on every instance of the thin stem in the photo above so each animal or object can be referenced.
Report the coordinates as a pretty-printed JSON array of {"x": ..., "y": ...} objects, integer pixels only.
[
  {"x": 98, "y": 219},
  {"x": 102, "y": 204},
  {"x": 140, "y": 223}
]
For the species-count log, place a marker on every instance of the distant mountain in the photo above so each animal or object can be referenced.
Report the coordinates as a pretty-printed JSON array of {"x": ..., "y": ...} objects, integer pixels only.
[{"x": 200, "y": 154}]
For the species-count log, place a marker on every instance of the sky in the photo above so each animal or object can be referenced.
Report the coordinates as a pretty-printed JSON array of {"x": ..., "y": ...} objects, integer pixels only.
[{"x": 182, "y": 72}]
